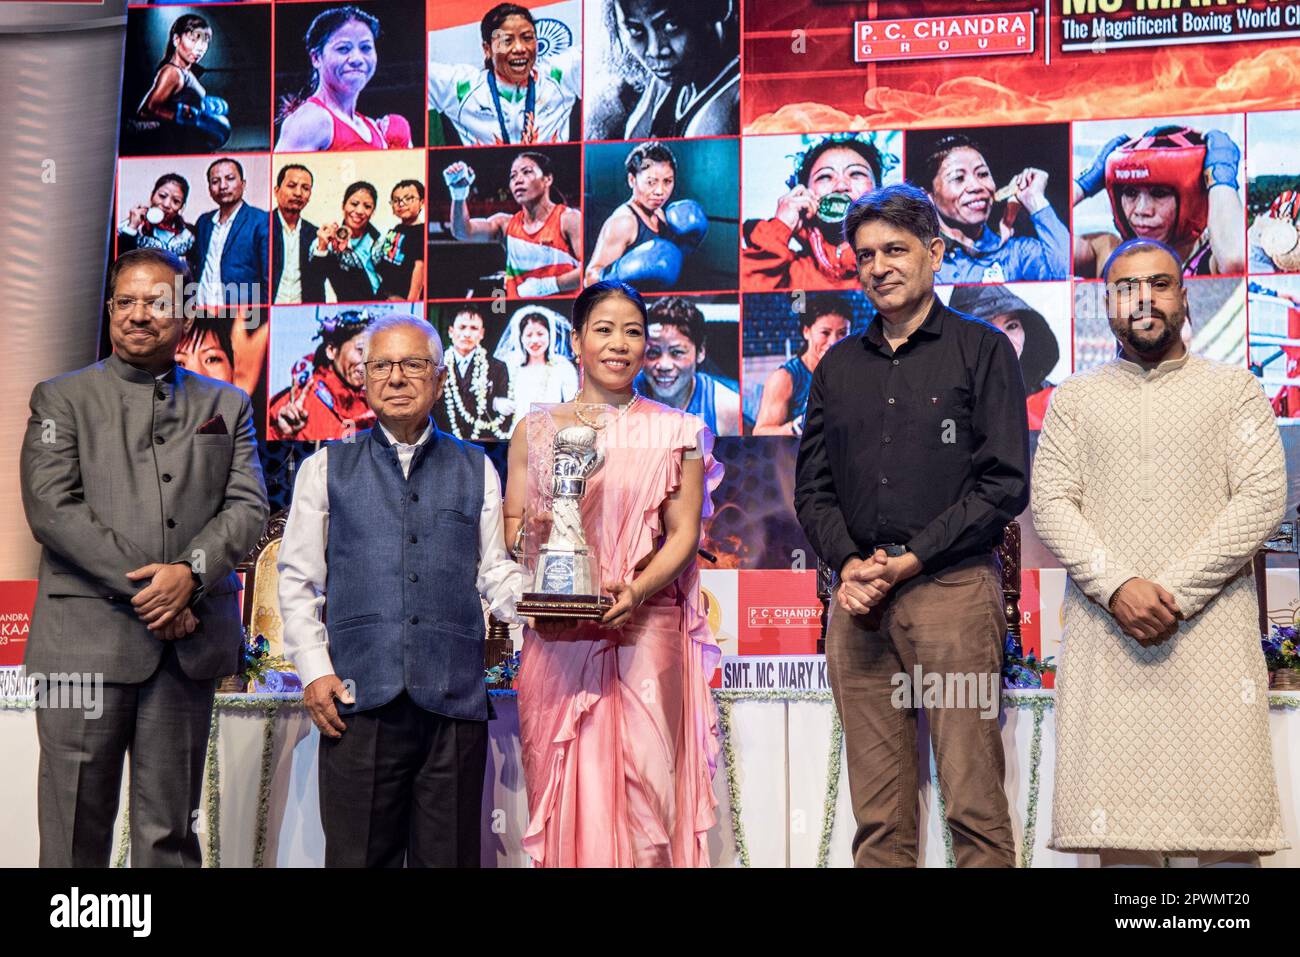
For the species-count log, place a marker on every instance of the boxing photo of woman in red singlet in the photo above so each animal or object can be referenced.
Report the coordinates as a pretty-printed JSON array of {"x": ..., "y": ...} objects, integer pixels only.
[{"x": 343, "y": 49}]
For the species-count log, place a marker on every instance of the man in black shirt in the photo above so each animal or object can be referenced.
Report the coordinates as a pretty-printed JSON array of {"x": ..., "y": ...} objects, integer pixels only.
[{"x": 915, "y": 455}]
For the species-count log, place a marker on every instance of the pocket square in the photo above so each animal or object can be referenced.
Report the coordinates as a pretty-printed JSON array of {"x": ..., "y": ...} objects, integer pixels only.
[{"x": 214, "y": 426}]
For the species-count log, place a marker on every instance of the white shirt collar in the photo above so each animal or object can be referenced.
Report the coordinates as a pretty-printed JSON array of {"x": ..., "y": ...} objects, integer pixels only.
[{"x": 424, "y": 437}]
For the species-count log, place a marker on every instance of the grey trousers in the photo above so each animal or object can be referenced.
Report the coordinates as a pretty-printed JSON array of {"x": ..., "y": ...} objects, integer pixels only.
[
  {"x": 953, "y": 626},
  {"x": 162, "y": 724}
]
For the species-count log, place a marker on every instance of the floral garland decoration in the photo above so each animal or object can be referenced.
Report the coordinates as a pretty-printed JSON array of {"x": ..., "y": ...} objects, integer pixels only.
[
  {"x": 478, "y": 385},
  {"x": 733, "y": 786},
  {"x": 271, "y": 704},
  {"x": 212, "y": 803},
  {"x": 124, "y": 836},
  {"x": 832, "y": 798}
]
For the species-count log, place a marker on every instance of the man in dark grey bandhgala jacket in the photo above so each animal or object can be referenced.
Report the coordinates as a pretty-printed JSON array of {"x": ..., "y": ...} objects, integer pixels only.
[{"x": 142, "y": 484}]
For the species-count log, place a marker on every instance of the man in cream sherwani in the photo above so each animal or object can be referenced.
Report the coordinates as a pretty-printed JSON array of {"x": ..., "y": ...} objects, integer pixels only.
[{"x": 1157, "y": 477}]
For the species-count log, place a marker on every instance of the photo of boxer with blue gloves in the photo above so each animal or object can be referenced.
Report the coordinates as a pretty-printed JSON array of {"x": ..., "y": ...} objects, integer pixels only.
[
  {"x": 646, "y": 239},
  {"x": 178, "y": 98},
  {"x": 1174, "y": 184},
  {"x": 195, "y": 83}
]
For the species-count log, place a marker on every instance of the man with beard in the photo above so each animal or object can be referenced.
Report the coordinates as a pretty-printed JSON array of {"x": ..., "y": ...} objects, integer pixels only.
[
  {"x": 672, "y": 373},
  {"x": 1158, "y": 476},
  {"x": 293, "y": 280},
  {"x": 959, "y": 180},
  {"x": 478, "y": 402},
  {"x": 326, "y": 397},
  {"x": 829, "y": 176},
  {"x": 1029, "y": 333}
]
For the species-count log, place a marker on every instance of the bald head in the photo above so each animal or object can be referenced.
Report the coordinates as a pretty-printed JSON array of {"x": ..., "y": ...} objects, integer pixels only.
[{"x": 1156, "y": 251}]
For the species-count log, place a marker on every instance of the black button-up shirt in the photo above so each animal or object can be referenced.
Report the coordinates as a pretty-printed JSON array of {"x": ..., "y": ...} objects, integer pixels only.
[{"x": 926, "y": 446}]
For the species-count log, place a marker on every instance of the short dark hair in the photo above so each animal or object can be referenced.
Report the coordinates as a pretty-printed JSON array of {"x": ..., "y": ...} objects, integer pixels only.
[
  {"x": 651, "y": 152},
  {"x": 546, "y": 168},
  {"x": 901, "y": 205},
  {"x": 401, "y": 184},
  {"x": 867, "y": 151},
  {"x": 279, "y": 177},
  {"x": 825, "y": 305},
  {"x": 600, "y": 291},
  {"x": 497, "y": 16},
  {"x": 219, "y": 326},
  {"x": 357, "y": 187},
  {"x": 939, "y": 152},
  {"x": 176, "y": 178},
  {"x": 328, "y": 21},
  {"x": 146, "y": 256},
  {"x": 468, "y": 311},
  {"x": 224, "y": 159},
  {"x": 680, "y": 312},
  {"x": 1137, "y": 245}
]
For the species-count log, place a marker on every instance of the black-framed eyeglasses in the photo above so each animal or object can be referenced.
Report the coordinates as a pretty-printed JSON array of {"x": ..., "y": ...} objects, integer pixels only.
[
  {"x": 1162, "y": 284},
  {"x": 413, "y": 367},
  {"x": 159, "y": 306}
]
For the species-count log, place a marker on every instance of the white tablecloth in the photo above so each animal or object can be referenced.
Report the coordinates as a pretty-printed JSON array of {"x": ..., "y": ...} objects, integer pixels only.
[{"x": 781, "y": 748}]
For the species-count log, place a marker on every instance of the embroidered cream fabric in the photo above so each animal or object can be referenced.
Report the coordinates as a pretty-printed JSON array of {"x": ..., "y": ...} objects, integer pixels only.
[{"x": 1175, "y": 474}]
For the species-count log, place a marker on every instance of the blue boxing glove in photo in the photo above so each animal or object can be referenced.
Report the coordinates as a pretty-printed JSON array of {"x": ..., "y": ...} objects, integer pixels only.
[
  {"x": 689, "y": 223},
  {"x": 1222, "y": 160},
  {"x": 653, "y": 264},
  {"x": 209, "y": 119},
  {"x": 1091, "y": 180}
]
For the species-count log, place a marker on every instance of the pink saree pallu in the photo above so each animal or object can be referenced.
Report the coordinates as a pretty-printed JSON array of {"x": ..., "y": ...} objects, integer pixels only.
[{"x": 619, "y": 730}]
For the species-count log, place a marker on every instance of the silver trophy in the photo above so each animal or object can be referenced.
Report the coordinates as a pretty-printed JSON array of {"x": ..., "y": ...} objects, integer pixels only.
[{"x": 566, "y": 583}]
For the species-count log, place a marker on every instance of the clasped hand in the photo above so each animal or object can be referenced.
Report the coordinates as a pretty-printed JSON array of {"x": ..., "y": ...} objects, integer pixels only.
[
  {"x": 1145, "y": 611},
  {"x": 163, "y": 604},
  {"x": 864, "y": 583}
]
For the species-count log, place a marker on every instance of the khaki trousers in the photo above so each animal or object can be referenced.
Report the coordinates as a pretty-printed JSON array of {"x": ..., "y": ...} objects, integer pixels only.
[{"x": 953, "y": 626}]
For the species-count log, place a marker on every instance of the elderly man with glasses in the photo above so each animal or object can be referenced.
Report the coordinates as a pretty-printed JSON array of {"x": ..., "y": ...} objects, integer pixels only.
[
  {"x": 392, "y": 537},
  {"x": 1158, "y": 475}
]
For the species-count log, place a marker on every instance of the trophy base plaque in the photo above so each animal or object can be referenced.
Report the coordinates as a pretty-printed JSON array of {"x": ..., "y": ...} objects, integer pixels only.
[
  {"x": 567, "y": 585},
  {"x": 536, "y": 605}
]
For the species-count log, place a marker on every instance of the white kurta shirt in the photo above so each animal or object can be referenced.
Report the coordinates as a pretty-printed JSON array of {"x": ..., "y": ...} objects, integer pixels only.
[
  {"x": 302, "y": 565},
  {"x": 1175, "y": 474}
]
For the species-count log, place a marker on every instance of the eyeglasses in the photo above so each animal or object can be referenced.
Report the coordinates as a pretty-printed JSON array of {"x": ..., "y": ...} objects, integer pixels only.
[
  {"x": 1161, "y": 285},
  {"x": 413, "y": 367},
  {"x": 160, "y": 306},
  {"x": 405, "y": 200}
]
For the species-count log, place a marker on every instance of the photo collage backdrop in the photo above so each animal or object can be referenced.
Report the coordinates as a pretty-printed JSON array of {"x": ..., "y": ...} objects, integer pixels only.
[{"x": 320, "y": 165}]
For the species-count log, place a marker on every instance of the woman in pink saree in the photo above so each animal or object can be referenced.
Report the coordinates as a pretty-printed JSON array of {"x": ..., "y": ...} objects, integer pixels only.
[{"x": 618, "y": 727}]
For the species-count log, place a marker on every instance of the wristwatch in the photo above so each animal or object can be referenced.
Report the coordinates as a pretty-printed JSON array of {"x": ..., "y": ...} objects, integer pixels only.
[{"x": 199, "y": 590}]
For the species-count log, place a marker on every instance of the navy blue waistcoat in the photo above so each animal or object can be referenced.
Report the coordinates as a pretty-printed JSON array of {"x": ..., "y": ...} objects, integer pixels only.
[{"x": 403, "y": 610}]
